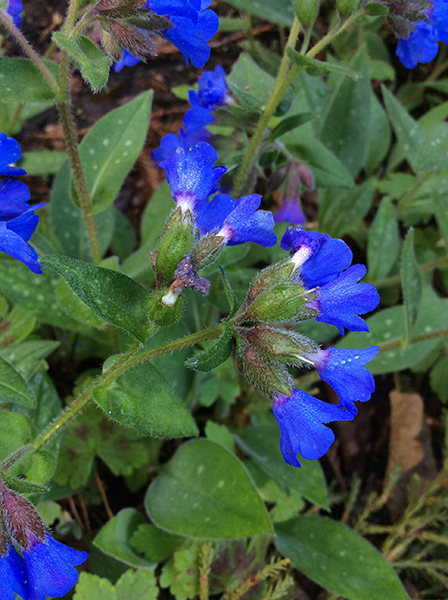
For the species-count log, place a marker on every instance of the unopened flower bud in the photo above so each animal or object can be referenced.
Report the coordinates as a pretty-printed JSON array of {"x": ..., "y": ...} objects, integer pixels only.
[
  {"x": 283, "y": 302},
  {"x": 281, "y": 345},
  {"x": 115, "y": 9},
  {"x": 270, "y": 276},
  {"x": 207, "y": 250},
  {"x": 347, "y": 7},
  {"x": 23, "y": 523},
  {"x": 307, "y": 11},
  {"x": 177, "y": 240},
  {"x": 268, "y": 376},
  {"x": 133, "y": 40}
]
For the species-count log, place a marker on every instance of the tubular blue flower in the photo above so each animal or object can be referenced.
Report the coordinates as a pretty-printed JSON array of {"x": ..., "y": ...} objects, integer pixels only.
[
  {"x": 10, "y": 153},
  {"x": 128, "y": 60},
  {"x": 18, "y": 222},
  {"x": 420, "y": 45},
  {"x": 344, "y": 370},
  {"x": 12, "y": 574},
  {"x": 341, "y": 300},
  {"x": 212, "y": 92},
  {"x": 171, "y": 142},
  {"x": 177, "y": 8},
  {"x": 438, "y": 18},
  {"x": 197, "y": 116},
  {"x": 191, "y": 175},
  {"x": 49, "y": 567},
  {"x": 301, "y": 419},
  {"x": 191, "y": 39},
  {"x": 290, "y": 212},
  {"x": 14, "y": 9}
]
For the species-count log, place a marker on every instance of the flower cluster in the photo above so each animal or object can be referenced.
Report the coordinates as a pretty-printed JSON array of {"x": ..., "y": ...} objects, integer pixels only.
[
  {"x": 419, "y": 29},
  {"x": 212, "y": 93},
  {"x": 199, "y": 228},
  {"x": 18, "y": 220},
  {"x": 193, "y": 24},
  {"x": 317, "y": 281},
  {"x": 44, "y": 567}
]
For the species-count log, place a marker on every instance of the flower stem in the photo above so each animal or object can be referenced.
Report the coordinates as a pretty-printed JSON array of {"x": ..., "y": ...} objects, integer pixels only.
[
  {"x": 283, "y": 81},
  {"x": 396, "y": 279},
  {"x": 129, "y": 359},
  {"x": 7, "y": 22}
]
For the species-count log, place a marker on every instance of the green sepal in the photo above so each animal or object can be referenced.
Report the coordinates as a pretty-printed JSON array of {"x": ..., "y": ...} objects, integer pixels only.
[
  {"x": 176, "y": 241},
  {"x": 347, "y": 7},
  {"x": 306, "y": 11},
  {"x": 217, "y": 353},
  {"x": 374, "y": 9},
  {"x": 93, "y": 63},
  {"x": 312, "y": 63},
  {"x": 279, "y": 303},
  {"x": 230, "y": 294},
  {"x": 164, "y": 315},
  {"x": 22, "y": 486},
  {"x": 113, "y": 296}
]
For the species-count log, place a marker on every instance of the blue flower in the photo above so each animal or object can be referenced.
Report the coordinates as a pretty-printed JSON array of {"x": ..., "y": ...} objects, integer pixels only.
[
  {"x": 176, "y": 8},
  {"x": 12, "y": 574},
  {"x": 237, "y": 222},
  {"x": 212, "y": 92},
  {"x": 128, "y": 60},
  {"x": 290, "y": 212},
  {"x": 197, "y": 116},
  {"x": 301, "y": 419},
  {"x": 191, "y": 39},
  {"x": 438, "y": 18},
  {"x": 191, "y": 175},
  {"x": 344, "y": 370},
  {"x": 342, "y": 299},
  {"x": 10, "y": 153},
  {"x": 49, "y": 567},
  {"x": 171, "y": 142},
  {"x": 420, "y": 45},
  {"x": 18, "y": 222},
  {"x": 14, "y": 9}
]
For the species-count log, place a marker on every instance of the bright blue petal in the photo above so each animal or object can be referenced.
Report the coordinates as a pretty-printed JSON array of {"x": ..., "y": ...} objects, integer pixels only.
[
  {"x": 14, "y": 196},
  {"x": 333, "y": 257},
  {"x": 212, "y": 88},
  {"x": 49, "y": 568},
  {"x": 10, "y": 153},
  {"x": 178, "y": 8},
  {"x": 438, "y": 18},
  {"x": 14, "y": 9},
  {"x": 12, "y": 575},
  {"x": 301, "y": 419},
  {"x": 211, "y": 215},
  {"x": 341, "y": 300},
  {"x": 344, "y": 370},
  {"x": 247, "y": 224},
  {"x": 419, "y": 47},
  {"x": 191, "y": 39},
  {"x": 290, "y": 212},
  {"x": 128, "y": 60},
  {"x": 191, "y": 175},
  {"x": 12, "y": 244},
  {"x": 197, "y": 116}
]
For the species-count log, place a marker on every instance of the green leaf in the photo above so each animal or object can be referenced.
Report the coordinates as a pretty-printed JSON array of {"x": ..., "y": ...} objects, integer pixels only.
[
  {"x": 113, "y": 296},
  {"x": 135, "y": 585},
  {"x": 376, "y": 10},
  {"x": 93, "y": 63},
  {"x": 22, "y": 486},
  {"x": 75, "y": 307},
  {"x": 114, "y": 538},
  {"x": 220, "y": 434},
  {"x": 43, "y": 162},
  {"x": 280, "y": 12},
  {"x": 27, "y": 357},
  {"x": 204, "y": 491},
  {"x": 345, "y": 128},
  {"x": 155, "y": 215},
  {"x": 438, "y": 378},
  {"x": 231, "y": 296},
  {"x": 218, "y": 351},
  {"x": 21, "y": 81},
  {"x": 141, "y": 398},
  {"x": 340, "y": 211},
  {"x": 155, "y": 544},
  {"x": 111, "y": 147},
  {"x": 290, "y": 123},
  {"x": 251, "y": 85},
  {"x": 262, "y": 444},
  {"x": 384, "y": 241},
  {"x": 220, "y": 383},
  {"x": 16, "y": 430},
  {"x": 380, "y": 135},
  {"x": 68, "y": 221},
  {"x": 338, "y": 559},
  {"x": 441, "y": 212},
  {"x": 13, "y": 388},
  {"x": 306, "y": 61},
  {"x": 412, "y": 285}
]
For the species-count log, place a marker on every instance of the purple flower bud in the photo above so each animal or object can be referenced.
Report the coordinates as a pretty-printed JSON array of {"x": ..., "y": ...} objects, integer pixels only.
[
  {"x": 301, "y": 419},
  {"x": 344, "y": 370},
  {"x": 340, "y": 301},
  {"x": 290, "y": 212}
]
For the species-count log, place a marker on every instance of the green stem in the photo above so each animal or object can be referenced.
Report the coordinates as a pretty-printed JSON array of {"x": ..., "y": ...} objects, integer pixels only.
[
  {"x": 7, "y": 22},
  {"x": 80, "y": 181},
  {"x": 65, "y": 57},
  {"x": 396, "y": 279},
  {"x": 268, "y": 111},
  {"x": 128, "y": 360},
  {"x": 14, "y": 118},
  {"x": 418, "y": 338}
]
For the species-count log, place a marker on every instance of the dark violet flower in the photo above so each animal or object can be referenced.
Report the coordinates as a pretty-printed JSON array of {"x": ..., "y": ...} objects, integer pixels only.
[
  {"x": 344, "y": 370},
  {"x": 301, "y": 419},
  {"x": 50, "y": 567},
  {"x": 191, "y": 175},
  {"x": 12, "y": 574},
  {"x": 10, "y": 153},
  {"x": 128, "y": 60},
  {"x": 171, "y": 142},
  {"x": 420, "y": 45},
  {"x": 18, "y": 222},
  {"x": 14, "y": 9},
  {"x": 290, "y": 212},
  {"x": 343, "y": 299}
]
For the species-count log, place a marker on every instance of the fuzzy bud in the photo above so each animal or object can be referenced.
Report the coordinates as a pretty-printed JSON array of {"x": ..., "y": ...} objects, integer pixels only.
[
  {"x": 306, "y": 11},
  {"x": 207, "y": 250},
  {"x": 133, "y": 40},
  {"x": 115, "y": 9},
  {"x": 176, "y": 242},
  {"x": 347, "y": 7},
  {"x": 283, "y": 302}
]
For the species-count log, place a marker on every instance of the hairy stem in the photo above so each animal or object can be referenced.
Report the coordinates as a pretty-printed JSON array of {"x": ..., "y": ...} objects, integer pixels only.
[
  {"x": 7, "y": 22},
  {"x": 396, "y": 279}
]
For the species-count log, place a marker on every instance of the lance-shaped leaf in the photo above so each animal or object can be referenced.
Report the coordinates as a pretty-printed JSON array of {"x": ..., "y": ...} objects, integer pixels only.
[
  {"x": 412, "y": 285},
  {"x": 93, "y": 63},
  {"x": 13, "y": 388},
  {"x": 214, "y": 355},
  {"x": 21, "y": 81},
  {"x": 113, "y": 296},
  {"x": 110, "y": 149}
]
